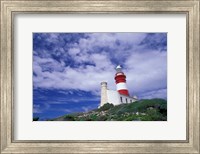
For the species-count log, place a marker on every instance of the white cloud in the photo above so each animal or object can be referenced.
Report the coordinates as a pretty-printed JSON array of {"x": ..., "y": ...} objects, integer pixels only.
[
  {"x": 36, "y": 109},
  {"x": 73, "y": 51},
  {"x": 86, "y": 79},
  {"x": 161, "y": 93},
  {"x": 145, "y": 70}
]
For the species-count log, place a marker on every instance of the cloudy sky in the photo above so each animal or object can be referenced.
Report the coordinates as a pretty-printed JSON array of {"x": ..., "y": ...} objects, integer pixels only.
[{"x": 69, "y": 67}]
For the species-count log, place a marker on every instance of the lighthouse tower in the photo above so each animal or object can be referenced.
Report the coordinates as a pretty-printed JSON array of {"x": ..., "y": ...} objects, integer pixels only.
[
  {"x": 120, "y": 96},
  {"x": 120, "y": 80}
]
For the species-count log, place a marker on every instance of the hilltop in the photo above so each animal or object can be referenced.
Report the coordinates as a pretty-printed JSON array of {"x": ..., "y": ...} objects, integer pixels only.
[{"x": 142, "y": 110}]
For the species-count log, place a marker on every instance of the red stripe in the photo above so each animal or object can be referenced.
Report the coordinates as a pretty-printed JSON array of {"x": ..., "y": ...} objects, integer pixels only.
[
  {"x": 120, "y": 78},
  {"x": 124, "y": 92},
  {"x": 120, "y": 81}
]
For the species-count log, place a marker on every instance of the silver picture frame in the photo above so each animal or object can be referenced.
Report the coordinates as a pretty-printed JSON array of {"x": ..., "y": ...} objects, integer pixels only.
[{"x": 9, "y": 8}]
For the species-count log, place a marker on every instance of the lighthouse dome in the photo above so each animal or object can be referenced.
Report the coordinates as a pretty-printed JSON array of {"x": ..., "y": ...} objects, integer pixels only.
[{"x": 118, "y": 68}]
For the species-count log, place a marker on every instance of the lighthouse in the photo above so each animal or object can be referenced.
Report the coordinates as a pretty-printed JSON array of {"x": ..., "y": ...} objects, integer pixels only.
[
  {"x": 119, "y": 96},
  {"x": 120, "y": 80}
]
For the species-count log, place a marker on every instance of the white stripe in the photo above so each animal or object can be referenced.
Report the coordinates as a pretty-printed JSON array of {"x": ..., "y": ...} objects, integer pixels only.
[{"x": 121, "y": 86}]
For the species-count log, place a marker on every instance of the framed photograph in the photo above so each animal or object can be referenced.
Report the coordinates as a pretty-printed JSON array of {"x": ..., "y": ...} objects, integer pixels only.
[
  {"x": 100, "y": 76},
  {"x": 67, "y": 66}
]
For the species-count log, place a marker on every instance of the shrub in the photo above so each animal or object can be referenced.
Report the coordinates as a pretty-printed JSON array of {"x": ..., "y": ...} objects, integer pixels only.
[
  {"x": 131, "y": 118},
  {"x": 35, "y": 118},
  {"x": 154, "y": 115},
  {"x": 106, "y": 106},
  {"x": 69, "y": 118},
  {"x": 92, "y": 117},
  {"x": 102, "y": 118}
]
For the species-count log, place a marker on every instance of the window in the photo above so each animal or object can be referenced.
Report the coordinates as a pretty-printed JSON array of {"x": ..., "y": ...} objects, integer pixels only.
[
  {"x": 121, "y": 99},
  {"x": 130, "y": 101},
  {"x": 126, "y": 100}
]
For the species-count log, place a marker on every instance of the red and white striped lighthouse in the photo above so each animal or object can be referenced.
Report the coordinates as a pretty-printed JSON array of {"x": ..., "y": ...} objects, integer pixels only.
[{"x": 120, "y": 80}]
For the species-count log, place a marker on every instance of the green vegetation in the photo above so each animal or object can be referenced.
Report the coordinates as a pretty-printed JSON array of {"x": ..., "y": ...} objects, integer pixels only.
[
  {"x": 35, "y": 118},
  {"x": 142, "y": 110}
]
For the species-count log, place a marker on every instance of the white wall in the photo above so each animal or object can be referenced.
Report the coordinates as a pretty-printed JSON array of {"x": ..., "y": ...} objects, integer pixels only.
[
  {"x": 126, "y": 99},
  {"x": 113, "y": 97}
]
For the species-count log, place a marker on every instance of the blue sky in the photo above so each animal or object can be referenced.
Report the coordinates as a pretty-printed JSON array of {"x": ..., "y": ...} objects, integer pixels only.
[{"x": 69, "y": 67}]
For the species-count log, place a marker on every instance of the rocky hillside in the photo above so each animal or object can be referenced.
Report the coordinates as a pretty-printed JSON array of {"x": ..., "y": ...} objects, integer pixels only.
[{"x": 142, "y": 110}]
